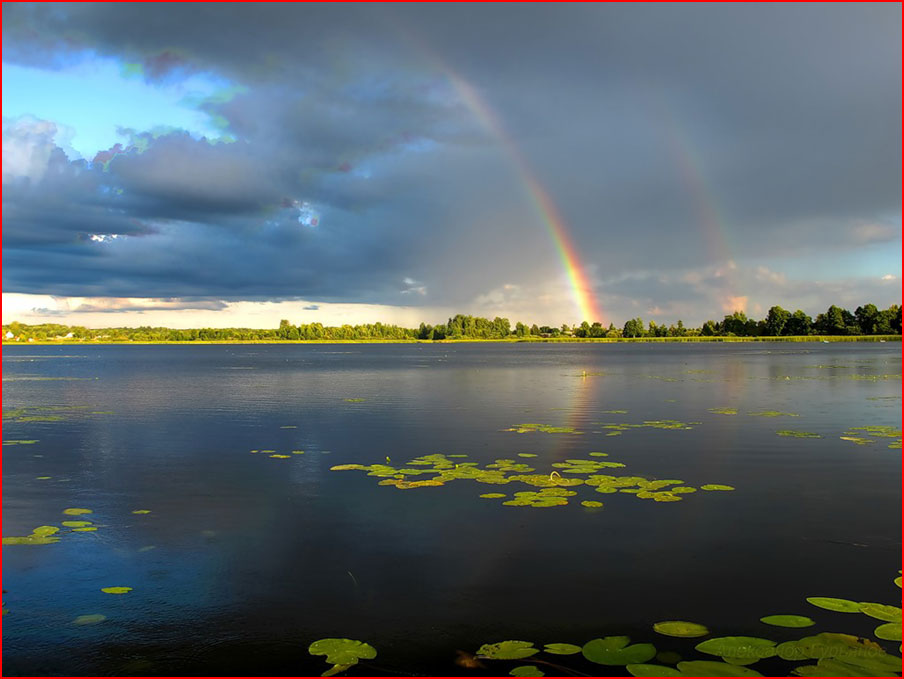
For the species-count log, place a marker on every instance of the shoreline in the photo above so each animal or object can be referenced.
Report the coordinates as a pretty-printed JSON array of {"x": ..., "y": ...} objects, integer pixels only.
[{"x": 513, "y": 340}]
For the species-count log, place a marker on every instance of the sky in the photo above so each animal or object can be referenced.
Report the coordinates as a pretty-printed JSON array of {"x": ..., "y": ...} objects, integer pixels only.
[{"x": 235, "y": 164}]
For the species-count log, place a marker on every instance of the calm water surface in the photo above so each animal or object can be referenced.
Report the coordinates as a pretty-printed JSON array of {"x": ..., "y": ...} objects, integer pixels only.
[{"x": 245, "y": 559}]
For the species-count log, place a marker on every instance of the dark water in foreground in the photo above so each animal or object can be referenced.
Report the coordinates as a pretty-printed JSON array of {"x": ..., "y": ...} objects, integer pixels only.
[{"x": 254, "y": 557}]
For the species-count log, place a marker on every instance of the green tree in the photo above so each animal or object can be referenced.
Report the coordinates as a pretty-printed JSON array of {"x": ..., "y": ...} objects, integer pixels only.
[{"x": 776, "y": 320}]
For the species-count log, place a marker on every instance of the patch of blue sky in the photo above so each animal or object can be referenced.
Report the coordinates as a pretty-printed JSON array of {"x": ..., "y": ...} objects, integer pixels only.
[
  {"x": 873, "y": 260},
  {"x": 90, "y": 101}
]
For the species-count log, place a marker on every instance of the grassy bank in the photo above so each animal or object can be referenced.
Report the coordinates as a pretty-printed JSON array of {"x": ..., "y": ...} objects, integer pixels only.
[{"x": 545, "y": 340}]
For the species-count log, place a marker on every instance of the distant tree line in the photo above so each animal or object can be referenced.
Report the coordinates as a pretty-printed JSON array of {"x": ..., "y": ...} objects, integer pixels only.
[{"x": 865, "y": 320}]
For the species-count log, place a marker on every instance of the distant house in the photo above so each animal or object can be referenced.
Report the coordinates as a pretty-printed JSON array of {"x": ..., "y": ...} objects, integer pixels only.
[{"x": 9, "y": 335}]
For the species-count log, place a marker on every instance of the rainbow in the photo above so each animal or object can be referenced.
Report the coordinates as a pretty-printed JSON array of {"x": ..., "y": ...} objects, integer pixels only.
[{"x": 581, "y": 288}]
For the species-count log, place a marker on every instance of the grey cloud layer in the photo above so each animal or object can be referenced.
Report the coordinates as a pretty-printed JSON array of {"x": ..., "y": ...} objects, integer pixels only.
[{"x": 779, "y": 123}]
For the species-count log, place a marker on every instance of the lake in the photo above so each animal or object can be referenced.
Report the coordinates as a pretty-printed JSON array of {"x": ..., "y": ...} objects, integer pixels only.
[{"x": 243, "y": 559}]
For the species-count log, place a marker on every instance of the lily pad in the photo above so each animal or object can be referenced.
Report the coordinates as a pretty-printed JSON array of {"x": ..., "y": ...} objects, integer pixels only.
[
  {"x": 617, "y": 651},
  {"x": 92, "y": 619},
  {"x": 562, "y": 649},
  {"x": 76, "y": 511},
  {"x": 788, "y": 621},
  {"x": 831, "y": 604},
  {"x": 716, "y": 486},
  {"x": 116, "y": 590},
  {"x": 591, "y": 503},
  {"x": 527, "y": 671},
  {"x": 507, "y": 650},
  {"x": 493, "y": 496},
  {"x": 680, "y": 628},
  {"x": 798, "y": 434},
  {"x": 281, "y": 457},
  {"x": 711, "y": 668},
  {"x": 84, "y": 529},
  {"x": 890, "y": 631},
  {"x": 724, "y": 411},
  {"x": 827, "y": 645},
  {"x": 738, "y": 647},
  {"x": 881, "y": 612},
  {"x": 342, "y": 653},
  {"x": 644, "y": 670},
  {"x": 141, "y": 511},
  {"x": 75, "y": 524},
  {"x": 527, "y": 455},
  {"x": 44, "y": 531}
]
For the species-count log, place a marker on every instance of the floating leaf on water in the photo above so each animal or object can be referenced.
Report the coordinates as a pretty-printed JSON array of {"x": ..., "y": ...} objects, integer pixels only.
[
  {"x": 738, "y": 647},
  {"x": 617, "y": 651},
  {"x": 897, "y": 581},
  {"x": 856, "y": 439},
  {"x": 507, "y": 650},
  {"x": 711, "y": 668},
  {"x": 788, "y": 621},
  {"x": 890, "y": 631},
  {"x": 827, "y": 645},
  {"x": 75, "y": 524},
  {"x": 353, "y": 400},
  {"x": 43, "y": 478},
  {"x": 281, "y": 457},
  {"x": 591, "y": 503},
  {"x": 798, "y": 434},
  {"x": 75, "y": 511},
  {"x": 881, "y": 611},
  {"x": 772, "y": 413},
  {"x": 528, "y": 427},
  {"x": 92, "y": 619},
  {"x": 876, "y": 663},
  {"x": 147, "y": 548},
  {"x": 562, "y": 649},
  {"x": 347, "y": 467},
  {"x": 84, "y": 529},
  {"x": 524, "y": 455},
  {"x": 493, "y": 496},
  {"x": 44, "y": 531},
  {"x": 342, "y": 653},
  {"x": 724, "y": 411},
  {"x": 716, "y": 486},
  {"x": 527, "y": 671},
  {"x": 298, "y": 452},
  {"x": 644, "y": 670},
  {"x": 831, "y": 604},
  {"x": 141, "y": 511},
  {"x": 116, "y": 590},
  {"x": 598, "y": 454},
  {"x": 680, "y": 628}
]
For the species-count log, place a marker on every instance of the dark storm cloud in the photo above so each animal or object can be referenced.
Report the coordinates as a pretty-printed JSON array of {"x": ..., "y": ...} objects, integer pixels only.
[{"x": 778, "y": 123}]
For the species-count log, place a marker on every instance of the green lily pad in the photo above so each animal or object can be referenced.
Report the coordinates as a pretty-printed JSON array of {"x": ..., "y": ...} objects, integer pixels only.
[
  {"x": 44, "y": 531},
  {"x": 711, "y": 668},
  {"x": 897, "y": 581},
  {"x": 527, "y": 671},
  {"x": 75, "y": 524},
  {"x": 798, "y": 434},
  {"x": 827, "y": 645},
  {"x": 75, "y": 511},
  {"x": 507, "y": 650},
  {"x": 141, "y": 511},
  {"x": 527, "y": 455},
  {"x": 43, "y": 478},
  {"x": 644, "y": 670},
  {"x": 738, "y": 647},
  {"x": 617, "y": 651},
  {"x": 890, "y": 631},
  {"x": 84, "y": 529},
  {"x": 724, "y": 411},
  {"x": 591, "y": 503},
  {"x": 342, "y": 653},
  {"x": 116, "y": 590},
  {"x": 281, "y": 457},
  {"x": 353, "y": 400},
  {"x": 831, "y": 604},
  {"x": 881, "y": 612},
  {"x": 562, "y": 649},
  {"x": 680, "y": 628},
  {"x": 716, "y": 486},
  {"x": 92, "y": 619},
  {"x": 493, "y": 496},
  {"x": 788, "y": 621}
]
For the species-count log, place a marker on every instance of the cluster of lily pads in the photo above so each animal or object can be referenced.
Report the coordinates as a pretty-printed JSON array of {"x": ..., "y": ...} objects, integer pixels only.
[
  {"x": 48, "y": 413},
  {"x": 529, "y": 427},
  {"x": 616, "y": 428},
  {"x": 835, "y": 654},
  {"x": 555, "y": 487},
  {"x": 860, "y": 435},
  {"x": 279, "y": 456}
]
